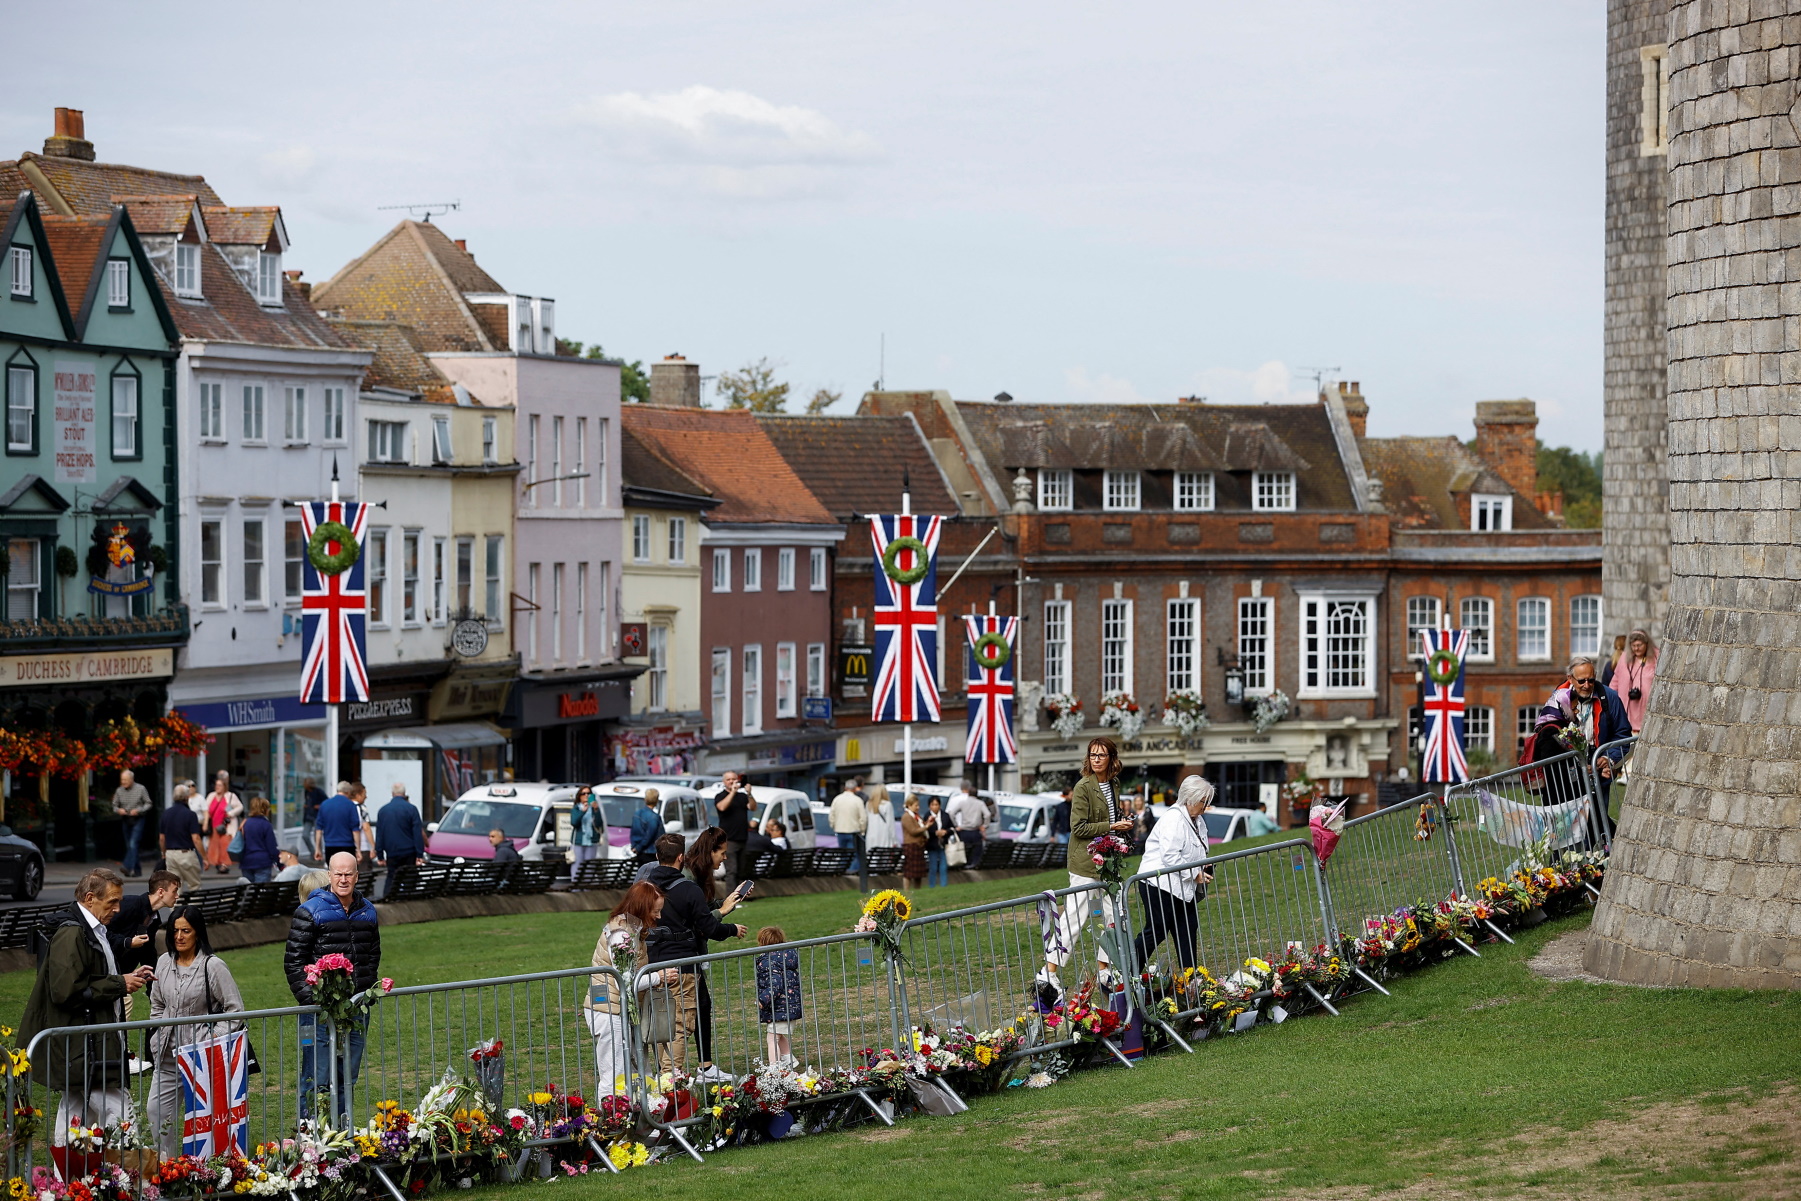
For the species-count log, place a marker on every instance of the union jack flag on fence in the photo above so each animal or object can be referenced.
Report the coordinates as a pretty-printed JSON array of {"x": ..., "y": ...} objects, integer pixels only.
[
  {"x": 333, "y": 609},
  {"x": 991, "y": 690},
  {"x": 1443, "y": 761},
  {"x": 215, "y": 1086},
  {"x": 906, "y": 618}
]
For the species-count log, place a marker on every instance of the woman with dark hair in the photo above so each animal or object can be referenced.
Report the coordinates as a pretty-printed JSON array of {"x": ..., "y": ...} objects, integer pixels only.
[
  {"x": 637, "y": 913},
  {"x": 190, "y": 982},
  {"x": 1096, "y": 807},
  {"x": 587, "y": 826},
  {"x": 703, "y": 861}
]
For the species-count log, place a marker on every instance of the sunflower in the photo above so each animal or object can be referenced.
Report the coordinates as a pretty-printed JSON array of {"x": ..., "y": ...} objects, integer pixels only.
[{"x": 889, "y": 898}]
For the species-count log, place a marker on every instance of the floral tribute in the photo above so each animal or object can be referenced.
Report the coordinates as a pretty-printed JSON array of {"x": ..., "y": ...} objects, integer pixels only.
[
  {"x": 884, "y": 914},
  {"x": 333, "y": 981},
  {"x": 1109, "y": 853}
]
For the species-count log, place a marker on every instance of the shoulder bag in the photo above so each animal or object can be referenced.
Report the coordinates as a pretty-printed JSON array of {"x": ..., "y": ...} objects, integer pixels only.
[
  {"x": 955, "y": 853},
  {"x": 656, "y": 1015},
  {"x": 251, "y": 1066}
]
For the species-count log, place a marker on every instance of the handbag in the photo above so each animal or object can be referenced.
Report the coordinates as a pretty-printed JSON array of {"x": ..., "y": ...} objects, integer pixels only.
[
  {"x": 955, "y": 853},
  {"x": 237, "y": 844},
  {"x": 251, "y": 1065},
  {"x": 656, "y": 1015}
]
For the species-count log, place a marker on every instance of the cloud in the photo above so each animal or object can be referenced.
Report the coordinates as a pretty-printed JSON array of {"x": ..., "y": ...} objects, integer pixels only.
[
  {"x": 1271, "y": 383},
  {"x": 1101, "y": 389},
  {"x": 705, "y": 126},
  {"x": 291, "y": 168}
]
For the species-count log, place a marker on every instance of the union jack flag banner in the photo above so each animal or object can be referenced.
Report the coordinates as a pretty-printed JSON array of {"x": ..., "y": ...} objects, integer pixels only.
[
  {"x": 1443, "y": 761},
  {"x": 991, "y": 642},
  {"x": 215, "y": 1085},
  {"x": 906, "y": 617},
  {"x": 333, "y": 609}
]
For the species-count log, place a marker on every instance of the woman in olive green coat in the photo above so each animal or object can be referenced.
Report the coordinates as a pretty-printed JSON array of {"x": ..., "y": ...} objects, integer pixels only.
[{"x": 1095, "y": 808}]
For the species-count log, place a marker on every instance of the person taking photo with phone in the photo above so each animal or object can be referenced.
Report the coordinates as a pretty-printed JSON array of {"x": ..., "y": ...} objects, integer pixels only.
[
  {"x": 733, "y": 801},
  {"x": 689, "y": 922}
]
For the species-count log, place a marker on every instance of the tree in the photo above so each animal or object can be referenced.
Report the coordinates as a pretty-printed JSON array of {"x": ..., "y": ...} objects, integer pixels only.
[
  {"x": 1578, "y": 475},
  {"x": 754, "y": 387},
  {"x": 824, "y": 399},
  {"x": 634, "y": 381}
]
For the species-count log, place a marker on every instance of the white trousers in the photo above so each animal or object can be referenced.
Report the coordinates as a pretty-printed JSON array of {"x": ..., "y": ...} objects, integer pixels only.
[
  {"x": 1077, "y": 908},
  {"x": 611, "y": 1064}
]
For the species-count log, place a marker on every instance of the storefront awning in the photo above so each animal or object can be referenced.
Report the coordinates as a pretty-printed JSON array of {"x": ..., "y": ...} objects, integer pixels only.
[{"x": 451, "y": 735}]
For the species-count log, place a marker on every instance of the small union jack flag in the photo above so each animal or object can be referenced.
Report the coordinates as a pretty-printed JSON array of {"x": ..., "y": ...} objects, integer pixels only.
[
  {"x": 906, "y": 618},
  {"x": 333, "y": 609},
  {"x": 1443, "y": 761},
  {"x": 991, "y": 698},
  {"x": 215, "y": 1087}
]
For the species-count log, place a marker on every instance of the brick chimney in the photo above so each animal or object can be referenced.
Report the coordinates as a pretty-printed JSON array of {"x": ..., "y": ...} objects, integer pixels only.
[
  {"x": 1507, "y": 440},
  {"x": 675, "y": 383},
  {"x": 463, "y": 245},
  {"x": 1356, "y": 409},
  {"x": 305, "y": 289},
  {"x": 70, "y": 138}
]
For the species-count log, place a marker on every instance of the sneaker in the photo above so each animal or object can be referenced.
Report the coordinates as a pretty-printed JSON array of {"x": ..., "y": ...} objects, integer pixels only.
[
  {"x": 1047, "y": 991},
  {"x": 712, "y": 1075}
]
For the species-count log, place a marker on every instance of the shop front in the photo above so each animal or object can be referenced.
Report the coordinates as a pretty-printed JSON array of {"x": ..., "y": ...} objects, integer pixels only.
[
  {"x": 879, "y": 753},
  {"x": 435, "y": 764},
  {"x": 789, "y": 759},
  {"x": 560, "y": 724},
  {"x": 53, "y": 700},
  {"x": 671, "y": 749},
  {"x": 273, "y": 746}
]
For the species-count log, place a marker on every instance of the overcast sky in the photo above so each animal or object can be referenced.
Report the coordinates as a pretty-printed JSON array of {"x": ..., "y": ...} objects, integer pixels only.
[{"x": 1058, "y": 201}]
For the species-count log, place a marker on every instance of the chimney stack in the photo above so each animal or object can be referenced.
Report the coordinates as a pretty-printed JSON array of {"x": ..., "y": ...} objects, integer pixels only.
[
  {"x": 1356, "y": 409},
  {"x": 70, "y": 138},
  {"x": 675, "y": 383},
  {"x": 463, "y": 245},
  {"x": 1507, "y": 440}
]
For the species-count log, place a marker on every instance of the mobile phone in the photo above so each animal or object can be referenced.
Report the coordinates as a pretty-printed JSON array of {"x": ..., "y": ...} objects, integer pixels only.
[{"x": 744, "y": 887}]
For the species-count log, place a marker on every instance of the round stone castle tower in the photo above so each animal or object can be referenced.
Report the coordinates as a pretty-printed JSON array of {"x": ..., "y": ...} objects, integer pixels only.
[{"x": 1705, "y": 883}]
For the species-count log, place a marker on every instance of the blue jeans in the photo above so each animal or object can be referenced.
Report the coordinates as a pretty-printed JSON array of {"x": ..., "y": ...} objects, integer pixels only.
[
  {"x": 938, "y": 873},
  {"x": 261, "y": 875},
  {"x": 852, "y": 842},
  {"x": 315, "y": 1074},
  {"x": 134, "y": 833}
]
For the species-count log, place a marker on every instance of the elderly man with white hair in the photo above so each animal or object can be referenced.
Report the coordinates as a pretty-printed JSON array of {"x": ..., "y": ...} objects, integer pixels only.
[{"x": 1177, "y": 844}]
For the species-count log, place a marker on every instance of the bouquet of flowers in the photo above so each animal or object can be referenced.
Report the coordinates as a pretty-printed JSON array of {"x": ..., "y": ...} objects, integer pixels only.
[
  {"x": 883, "y": 916},
  {"x": 333, "y": 981},
  {"x": 1186, "y": 711},
  {"x": 1087, "y": 1020},
  {"x": 1119, "y": 710},
  {"x": 490, "y": 1063},
  {"x": 1108, "y": 853},
  {"x": 1066, "y": 713}
]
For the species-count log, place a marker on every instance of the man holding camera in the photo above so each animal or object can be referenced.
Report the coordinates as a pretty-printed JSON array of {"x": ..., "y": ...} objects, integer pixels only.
[{"x": 733, "y": 802}]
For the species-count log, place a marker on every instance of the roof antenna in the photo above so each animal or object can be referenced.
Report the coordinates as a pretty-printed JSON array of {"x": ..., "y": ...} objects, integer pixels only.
[
  {"x": 1318, "y": 375},
  {"x": 425, "y": 212}
]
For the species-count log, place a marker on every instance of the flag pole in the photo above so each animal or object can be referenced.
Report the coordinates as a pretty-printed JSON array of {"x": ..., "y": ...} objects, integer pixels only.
[
  {"x": 332, "y": 774},
  {"x": 907, "y": 727},
  {"x": 991, "y": 762}
]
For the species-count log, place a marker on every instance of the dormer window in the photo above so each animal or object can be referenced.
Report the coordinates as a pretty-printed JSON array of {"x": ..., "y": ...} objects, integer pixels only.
[
  {"x": 1272, "y": 491},
  {"x": 187, "y": 269},
  {"x": 19, "y": 259},
  {"x": 268, "y": 277},
  {"x": 547, "y": 321},
  {"x": 1054, "y": 488},
  {"x": 1491, "y": 512},
  {"x": 522, "y": 326},
  {"x": 1121, "y": 493},
  {"x": 1194, "y": 491},
  {"x": 118, "y": 283}
]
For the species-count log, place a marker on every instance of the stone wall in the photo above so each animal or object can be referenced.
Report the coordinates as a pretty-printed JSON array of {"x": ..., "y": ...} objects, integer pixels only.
[
  {"x": 1636, "y": 480},
  {"x": 1705, "y": 883}
]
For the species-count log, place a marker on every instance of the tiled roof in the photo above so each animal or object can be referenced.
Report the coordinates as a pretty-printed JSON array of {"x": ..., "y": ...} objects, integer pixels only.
[
  {"x": 229, "y": 313},
  {"x": 1178, "y": 437},
  {"x": 642, "y": 467},
  {"x": 253, "y": 226},
  {"x": 728, "y": 452},
  {"x": 1420, "y": 477},
  {"x": 415, "y": 274},
  {"x": 169, "y": 215},
  {"x": 399, "y": 360},
  {"x": 90, "y": 188},
  {"x": 855, "y": 464},
  {"x": 76, "y": 244}
]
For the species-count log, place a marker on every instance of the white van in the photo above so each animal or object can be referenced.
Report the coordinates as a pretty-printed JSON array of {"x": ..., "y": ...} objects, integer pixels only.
[{"x": 790, "y": 807}]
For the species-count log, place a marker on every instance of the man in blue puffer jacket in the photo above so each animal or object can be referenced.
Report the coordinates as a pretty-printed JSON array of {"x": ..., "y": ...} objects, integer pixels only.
[{"x": 335, "y": 920}]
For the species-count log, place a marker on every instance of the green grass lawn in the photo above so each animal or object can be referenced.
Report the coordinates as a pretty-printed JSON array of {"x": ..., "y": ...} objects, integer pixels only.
[{"x": 1475, "y": 1077}]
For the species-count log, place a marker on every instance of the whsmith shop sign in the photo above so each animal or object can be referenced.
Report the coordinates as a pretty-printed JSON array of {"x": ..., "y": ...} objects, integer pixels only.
[{"x": 95, "y": 667}]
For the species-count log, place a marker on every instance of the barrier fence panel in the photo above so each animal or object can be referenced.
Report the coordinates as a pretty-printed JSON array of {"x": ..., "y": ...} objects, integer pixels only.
[
  {"x": 1380, "y": 865},
  {"x": 103, "y": 1075},
  {"x": 1621, "y": 771},
  {"x": 979, "y": 967},
  {"x": 1499, "y": 817}
]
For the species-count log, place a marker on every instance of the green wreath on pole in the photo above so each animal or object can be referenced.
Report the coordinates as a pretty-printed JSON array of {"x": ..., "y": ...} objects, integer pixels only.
[
  {"x": 323, "y": 561},
  {"x": 997, "y": 651},
  {"x": 1443, "y": 666},
  {"x": 922, "y": 561}
]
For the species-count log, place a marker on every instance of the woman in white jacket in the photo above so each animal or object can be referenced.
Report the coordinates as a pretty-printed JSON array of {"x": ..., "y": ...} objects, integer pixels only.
[{"x": 1177, "y": 843}]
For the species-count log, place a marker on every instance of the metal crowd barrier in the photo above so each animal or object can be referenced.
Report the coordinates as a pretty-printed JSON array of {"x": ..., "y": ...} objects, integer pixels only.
[
  {"x": 1605, "y": 822},
  {"x": 1497, "y": 819},
  {"x": 1382, "y": 864}
]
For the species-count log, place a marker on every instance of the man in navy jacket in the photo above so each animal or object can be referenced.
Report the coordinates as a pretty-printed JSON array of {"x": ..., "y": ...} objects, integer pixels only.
[
  {"x": 335, "y": 920},
  {"x": 399, "y": 838}
]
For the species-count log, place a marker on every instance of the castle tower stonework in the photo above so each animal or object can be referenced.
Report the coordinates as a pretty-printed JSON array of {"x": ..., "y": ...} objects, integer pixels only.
[
  {"x": 1704, "y": 887},
  {"x": 1635, "y": 568}
]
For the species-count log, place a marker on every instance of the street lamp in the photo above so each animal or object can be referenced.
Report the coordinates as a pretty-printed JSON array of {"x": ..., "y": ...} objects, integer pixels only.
[{"x": 1234, "y": 676}]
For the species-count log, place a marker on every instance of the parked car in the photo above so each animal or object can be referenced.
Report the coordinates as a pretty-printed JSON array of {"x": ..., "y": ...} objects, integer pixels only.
[
  {"x": 22, "y": 864},
  {"x": 619, "y": 802},
  {"x": 792, "y": 808},
  {"x": 526, "y": 813},
  {"x": 1228, "y": 825},
  {"x": 1021, "y": 815}
]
